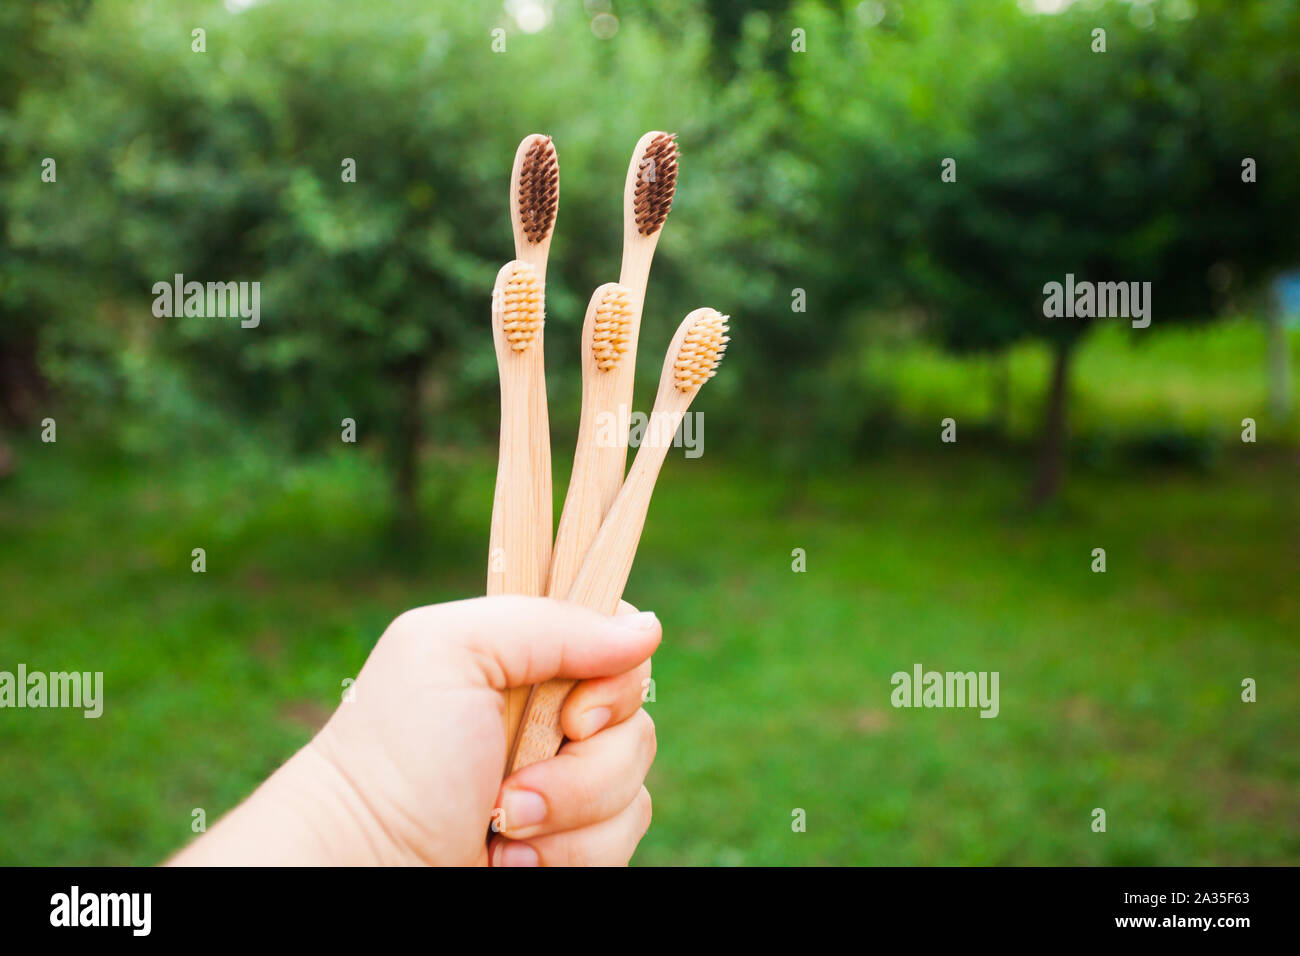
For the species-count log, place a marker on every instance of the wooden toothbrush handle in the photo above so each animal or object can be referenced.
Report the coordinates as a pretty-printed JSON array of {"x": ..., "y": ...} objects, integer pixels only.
[
  {"x": 540, "y": 735},
  {"x": 599, "y": 586}
]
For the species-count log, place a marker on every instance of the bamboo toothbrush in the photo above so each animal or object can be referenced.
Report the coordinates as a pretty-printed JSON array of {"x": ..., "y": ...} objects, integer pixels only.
[
  {"x": 647, "y": 200},
  {"x": 598, "y": 459},
  {"x": 534, "y": 203},
  {"x": 514, "y": 557},
  {"x": 692, "y": 359}
]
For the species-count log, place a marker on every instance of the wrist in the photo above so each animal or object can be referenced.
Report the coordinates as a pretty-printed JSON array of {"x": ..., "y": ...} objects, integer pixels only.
[
  {"x": 338, "y": 828},
  {"x": 307, "y": 813}
]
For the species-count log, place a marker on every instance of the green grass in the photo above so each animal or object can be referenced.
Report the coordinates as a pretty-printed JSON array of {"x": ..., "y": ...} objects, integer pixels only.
[
  {"x": 1118, "y": 690},
  {"x": 1202, "y": 380}
]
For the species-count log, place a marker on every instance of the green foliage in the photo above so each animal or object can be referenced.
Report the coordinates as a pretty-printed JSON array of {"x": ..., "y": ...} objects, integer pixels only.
[
  {"x": 813, "y": 174},
  {"x": 1122, "y": 165},
  {"x": 226, "y": 166}
]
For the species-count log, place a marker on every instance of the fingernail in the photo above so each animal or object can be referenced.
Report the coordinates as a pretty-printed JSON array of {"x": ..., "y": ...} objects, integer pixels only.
[
  {"x": 523, "y": 808},
  {"x": 519, "y": 854},
  {"x": 641, "y": 621},
  {"x": 593, "y": 720}
]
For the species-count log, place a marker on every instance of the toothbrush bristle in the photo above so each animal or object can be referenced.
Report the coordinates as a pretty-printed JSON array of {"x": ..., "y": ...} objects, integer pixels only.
[
  {"x": 656, "y": 182},
  {"x": 521, "y": 307},
  {"x": 539, "y": 189},
  {"x": 612, "y": 331},
  {"x": 701, "y": 351}
]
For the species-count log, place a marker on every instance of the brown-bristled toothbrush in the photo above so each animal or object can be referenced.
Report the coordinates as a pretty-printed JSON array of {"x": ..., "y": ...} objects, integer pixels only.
[
  {"x": 514, "y": 552},
  {"x": 647, "y": 199},
  {"x": 692, "y": 359},
  {"x": 534, "y": 204}
]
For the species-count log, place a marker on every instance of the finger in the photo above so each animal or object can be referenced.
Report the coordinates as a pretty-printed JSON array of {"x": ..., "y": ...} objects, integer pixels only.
[
  {"x": 604, "y": 701},
  {"x": 607, "y": 843},
  {"x": 518, "y": 640},
  {"x": 594, "y": 705},
  {"x": 586, "y": 782}
]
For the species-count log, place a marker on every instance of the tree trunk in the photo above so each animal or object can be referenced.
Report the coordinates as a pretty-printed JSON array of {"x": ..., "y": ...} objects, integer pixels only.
[
  {"x": 22, "y": 387},
  {"x": 1052, "y": 456}
]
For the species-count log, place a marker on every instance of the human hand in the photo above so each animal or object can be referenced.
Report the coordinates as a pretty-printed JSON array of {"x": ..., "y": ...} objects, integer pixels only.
[{"x": 409, "y": 770}]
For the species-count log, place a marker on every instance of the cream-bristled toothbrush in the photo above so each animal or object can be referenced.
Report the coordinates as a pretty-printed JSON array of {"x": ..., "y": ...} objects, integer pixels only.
[
  {"x": 692, "y": 359},
  {"x": 601, "y": 451},
  {"x": 514, "y": 553}
]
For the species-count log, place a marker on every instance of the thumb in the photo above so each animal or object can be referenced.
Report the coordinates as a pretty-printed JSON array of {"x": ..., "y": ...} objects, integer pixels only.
[{"x": 518, "y": 640}]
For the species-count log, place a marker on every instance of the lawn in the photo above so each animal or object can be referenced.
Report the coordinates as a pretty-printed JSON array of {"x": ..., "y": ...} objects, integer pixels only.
[
  {"x": 1119, "y": 690},
  {"x": 1199, "y": 380}
]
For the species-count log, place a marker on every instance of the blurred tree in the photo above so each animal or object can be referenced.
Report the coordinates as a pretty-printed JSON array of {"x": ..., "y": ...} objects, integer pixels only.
[
  {"x": 804, "y": 223},
  {"x": 1118, "y": 166},
  {"x": 227, "y": 165}
]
